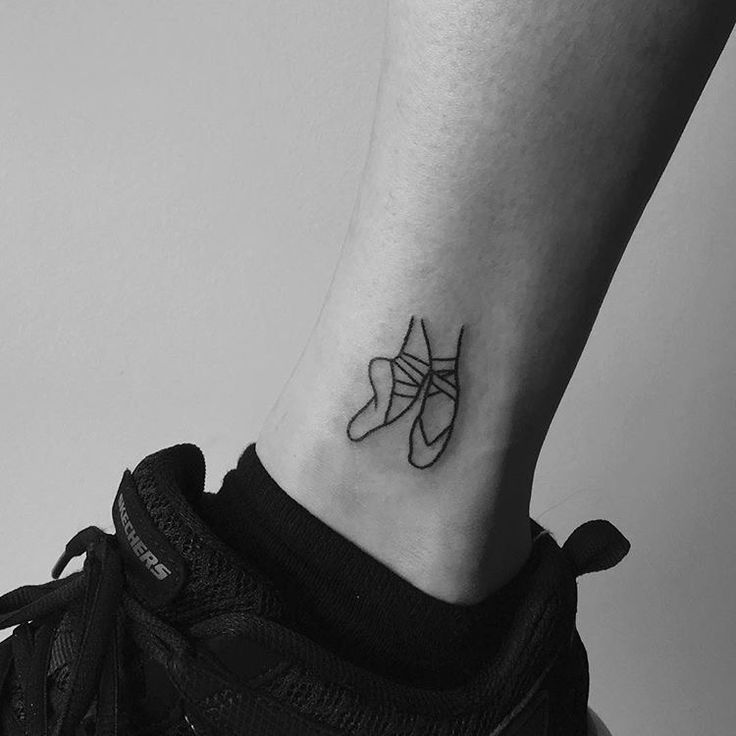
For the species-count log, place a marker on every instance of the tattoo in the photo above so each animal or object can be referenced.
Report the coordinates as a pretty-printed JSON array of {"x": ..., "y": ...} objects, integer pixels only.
[{"x": 414, "y": 377}]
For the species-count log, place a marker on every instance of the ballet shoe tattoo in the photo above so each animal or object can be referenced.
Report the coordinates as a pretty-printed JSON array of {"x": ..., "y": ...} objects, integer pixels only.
[{"x": 414, "y": 377}]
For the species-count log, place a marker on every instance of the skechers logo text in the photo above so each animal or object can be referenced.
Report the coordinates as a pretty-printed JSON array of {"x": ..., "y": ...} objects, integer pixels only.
[{"x": 140, "y": 550}]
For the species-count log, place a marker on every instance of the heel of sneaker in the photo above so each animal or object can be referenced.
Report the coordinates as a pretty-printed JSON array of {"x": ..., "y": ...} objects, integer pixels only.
[{"x": 568, "y": 685}]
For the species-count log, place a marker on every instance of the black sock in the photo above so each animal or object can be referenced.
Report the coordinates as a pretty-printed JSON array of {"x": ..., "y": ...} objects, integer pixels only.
[{"x": 346, "y": 600}]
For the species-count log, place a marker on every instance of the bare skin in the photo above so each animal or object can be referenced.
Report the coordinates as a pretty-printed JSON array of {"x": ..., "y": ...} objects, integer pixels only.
[{"x": 514, "y": 148}]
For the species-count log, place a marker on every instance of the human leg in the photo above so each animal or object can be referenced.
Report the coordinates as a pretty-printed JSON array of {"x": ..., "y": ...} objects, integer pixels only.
[{"x": 514, "y": 148}]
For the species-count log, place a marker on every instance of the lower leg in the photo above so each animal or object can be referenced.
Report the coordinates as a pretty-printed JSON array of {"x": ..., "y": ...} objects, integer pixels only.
[{"x": 514, "y": 147}]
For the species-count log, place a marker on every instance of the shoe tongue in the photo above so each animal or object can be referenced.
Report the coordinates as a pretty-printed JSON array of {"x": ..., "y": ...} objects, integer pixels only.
[
  {"x": 155, "y": 567},
  {"x": 177, "y": 470},
  {"x": 174, "y": 563}
]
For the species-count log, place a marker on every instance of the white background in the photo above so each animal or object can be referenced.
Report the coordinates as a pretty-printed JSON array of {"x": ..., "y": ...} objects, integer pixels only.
[{"x": 175, "y": 182}]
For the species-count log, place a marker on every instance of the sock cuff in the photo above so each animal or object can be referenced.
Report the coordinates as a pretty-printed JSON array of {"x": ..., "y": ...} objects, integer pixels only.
[{"x": 347, "y": 600}]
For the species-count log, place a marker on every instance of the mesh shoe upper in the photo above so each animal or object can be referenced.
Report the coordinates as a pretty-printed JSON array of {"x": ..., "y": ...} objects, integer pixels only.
[{"x": 167, "y": 631}]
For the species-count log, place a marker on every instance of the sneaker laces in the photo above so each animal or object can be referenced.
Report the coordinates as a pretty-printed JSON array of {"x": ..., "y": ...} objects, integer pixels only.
[{"x": 96, "y": 666}]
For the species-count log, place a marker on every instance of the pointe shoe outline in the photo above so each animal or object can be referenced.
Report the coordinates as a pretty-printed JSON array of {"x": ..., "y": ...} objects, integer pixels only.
[
  {"x": 397, "y": 384},
  {"x": 441, "y": 396}
]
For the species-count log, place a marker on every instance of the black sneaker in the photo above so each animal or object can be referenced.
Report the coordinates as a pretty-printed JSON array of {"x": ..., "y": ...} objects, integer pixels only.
[{"x": 167, "y": 632}]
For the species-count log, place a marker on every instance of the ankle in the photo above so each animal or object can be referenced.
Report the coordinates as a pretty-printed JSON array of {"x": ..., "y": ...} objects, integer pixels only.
[{"x": 451, "y": 536}]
